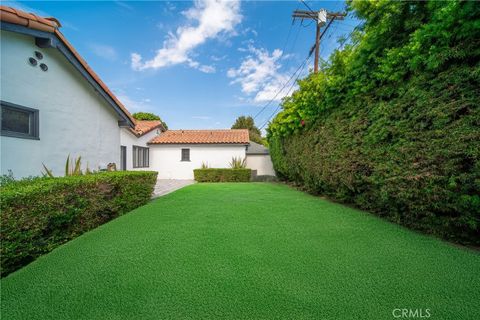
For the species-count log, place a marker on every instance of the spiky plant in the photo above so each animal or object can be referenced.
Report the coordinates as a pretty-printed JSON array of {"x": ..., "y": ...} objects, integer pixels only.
[{"x": 238, "y": 163}]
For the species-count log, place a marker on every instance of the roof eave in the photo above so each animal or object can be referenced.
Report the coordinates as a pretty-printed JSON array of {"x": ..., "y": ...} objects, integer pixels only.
[
  {"x": 171, "y": 143},
  {"x": 56, "y": 40}
]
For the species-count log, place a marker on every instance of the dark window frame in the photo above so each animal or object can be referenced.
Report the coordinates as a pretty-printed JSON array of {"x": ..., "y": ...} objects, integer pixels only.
[
  {"x": 185, "y": 157},
  {"x": 140, "y": 160},
  {"x": 34, "y": 121},
  {"x": 123, "y": 158}
]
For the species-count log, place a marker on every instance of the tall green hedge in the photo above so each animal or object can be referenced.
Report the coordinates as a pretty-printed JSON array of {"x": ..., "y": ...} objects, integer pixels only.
[
  {"x": 222, "y": 175},
  {"x": 37, "y": 216},
  {"x": 392, "y": 123}
]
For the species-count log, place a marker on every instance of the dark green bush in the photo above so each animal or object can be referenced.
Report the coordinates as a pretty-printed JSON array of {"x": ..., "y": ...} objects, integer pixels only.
[
  {"x": 40, "y": 215},
  {"x": 418, "y": 166},
  {"x": 392, "y": 123},
  {"x": 222, "y": 175}
]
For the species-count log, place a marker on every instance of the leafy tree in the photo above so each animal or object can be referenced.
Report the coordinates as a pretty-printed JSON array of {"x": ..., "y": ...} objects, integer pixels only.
[
  {"x": 148, "y": 116},
  {"x": 244, "y": 122}
]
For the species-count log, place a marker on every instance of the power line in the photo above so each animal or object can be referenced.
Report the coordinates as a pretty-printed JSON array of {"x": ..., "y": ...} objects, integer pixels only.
[
  {"x": 288, "y": 92},
  {"x": 306, "y": 5},
  {"x": 349, "y": 36},
  {"x": 308, "y": 25},
  {"x": 286, "y": 67},
  {"x": 283, "y": 53},
  {"x": 320, "y": 17},
  {"x": 283, "y": 87},
  {"x": 301, "y": 66}
]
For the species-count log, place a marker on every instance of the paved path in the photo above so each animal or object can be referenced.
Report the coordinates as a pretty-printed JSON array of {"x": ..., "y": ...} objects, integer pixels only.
[{"x": 165, "y": 186}]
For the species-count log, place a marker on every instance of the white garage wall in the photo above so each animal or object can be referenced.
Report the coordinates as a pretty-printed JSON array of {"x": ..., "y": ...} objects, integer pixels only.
[
  {"x": 74, "y": 119},
  {"x": 128, "y": 139},
  {"x": 262, "y": 163},
  {"x": 166, "y": 159}
]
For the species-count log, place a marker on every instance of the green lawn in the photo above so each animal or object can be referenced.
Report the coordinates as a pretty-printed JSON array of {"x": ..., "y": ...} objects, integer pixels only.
[{"x": 246, "y": 251}]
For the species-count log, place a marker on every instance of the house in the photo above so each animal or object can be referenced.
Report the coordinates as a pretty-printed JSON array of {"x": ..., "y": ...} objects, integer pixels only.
[
  {"x": 54, "y": 105},
  {"x": 175, "y": 153},
  {"x": 134, "y": 150}
]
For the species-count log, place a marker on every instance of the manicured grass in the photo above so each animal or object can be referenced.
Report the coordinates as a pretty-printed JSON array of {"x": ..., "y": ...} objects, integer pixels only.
[{"x": 246, "y": 251}]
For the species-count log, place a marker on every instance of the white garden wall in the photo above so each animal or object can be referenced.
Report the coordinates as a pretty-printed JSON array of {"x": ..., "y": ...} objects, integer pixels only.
[
  {"x": 74, "y": 119},
  {"x": 262, "y": 163},
  {"x": 166, "y": 159}
]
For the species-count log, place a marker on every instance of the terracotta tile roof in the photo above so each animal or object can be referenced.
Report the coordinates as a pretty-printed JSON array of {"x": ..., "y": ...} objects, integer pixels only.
[
  {"x": 32, "y": 21},
  {"x": 28, "y": 20},
  {"x": 145, "y": 126},
  {"x": 228, "y": 136}
]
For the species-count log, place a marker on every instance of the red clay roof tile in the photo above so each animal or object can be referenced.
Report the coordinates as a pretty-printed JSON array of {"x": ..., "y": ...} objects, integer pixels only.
[
  {"x": 145, "y": 126},
  {"x": 228, "y": 136}
]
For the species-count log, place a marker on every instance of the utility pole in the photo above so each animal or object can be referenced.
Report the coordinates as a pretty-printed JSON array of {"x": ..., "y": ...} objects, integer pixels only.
[{"x": 321, "y": 18}]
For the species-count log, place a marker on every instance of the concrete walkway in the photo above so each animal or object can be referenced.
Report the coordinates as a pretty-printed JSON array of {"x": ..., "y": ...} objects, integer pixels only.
[{"x": 165, "y": 186}]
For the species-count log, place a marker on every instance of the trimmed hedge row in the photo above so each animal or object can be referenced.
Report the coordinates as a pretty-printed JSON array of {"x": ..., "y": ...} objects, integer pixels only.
[
  {"x": 37, "y": 217},
  {"x": 413, "y": 160},
  {"x": 392, "y": 121},
  {"x": 222, "y": 175}
]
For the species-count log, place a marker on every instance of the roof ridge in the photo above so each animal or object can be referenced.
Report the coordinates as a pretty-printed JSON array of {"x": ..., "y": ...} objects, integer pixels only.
[
  {"x": 205, "y": 136},
  {"x": 207, "y": 129}
]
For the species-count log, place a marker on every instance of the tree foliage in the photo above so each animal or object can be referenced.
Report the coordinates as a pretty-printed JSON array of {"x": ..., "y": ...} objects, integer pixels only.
[
  {"x": 392, "y": 121},
  {"x": 244, "y": 122},
  {"x": 148, "y": 116}
]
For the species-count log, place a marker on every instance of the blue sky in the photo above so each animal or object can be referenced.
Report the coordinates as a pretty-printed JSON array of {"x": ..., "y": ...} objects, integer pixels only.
[{"x": 197, "y": 64}]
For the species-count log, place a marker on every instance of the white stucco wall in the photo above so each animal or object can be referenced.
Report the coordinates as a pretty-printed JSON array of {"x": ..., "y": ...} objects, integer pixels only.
[
  {"x": 262, "y": 163},
  {"x": 128, "y": 139},
  {"x": 166, "y": 159},
  {"x": 74, "y": 119}
]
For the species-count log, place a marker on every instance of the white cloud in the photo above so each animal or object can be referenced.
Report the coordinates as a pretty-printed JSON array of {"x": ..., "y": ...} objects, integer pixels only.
[
  {"x": 275, "y": 89},
  {"x": 259, "y": 75},
  {"x": 124, "y": 5},
  {"x": 207, "y": 69},
  {"x": 217, "y": 58},
  {"x": 104, "y": 51},
  {"x": 134, "y": 105},
  {"x": 207, "y": 19}
]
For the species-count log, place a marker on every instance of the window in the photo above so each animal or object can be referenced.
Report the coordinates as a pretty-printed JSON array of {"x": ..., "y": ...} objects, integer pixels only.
[
  {"x": 18, "y": 121},
  {"x": 140, "y": 157},
  {"x": 185, "y": 154}
]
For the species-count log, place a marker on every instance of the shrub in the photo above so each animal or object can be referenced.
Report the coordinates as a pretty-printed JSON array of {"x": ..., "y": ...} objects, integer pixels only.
[
  {"x": 39, "y": 215},
  {"x": 222, "y": 175},
  {"x": 392, "y": 121}
]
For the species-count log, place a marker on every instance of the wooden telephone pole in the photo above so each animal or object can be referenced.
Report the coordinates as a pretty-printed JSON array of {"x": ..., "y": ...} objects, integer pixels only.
[{"x": 322, "y": 17}]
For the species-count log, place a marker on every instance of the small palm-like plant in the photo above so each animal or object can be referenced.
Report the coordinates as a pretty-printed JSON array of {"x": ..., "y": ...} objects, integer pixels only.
[
  {"x": 204, "y": 165},
  {"x": 48, "y": 172},
  {"x": 72, "y": 168},
  {"x": 238, "y": 163}
]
